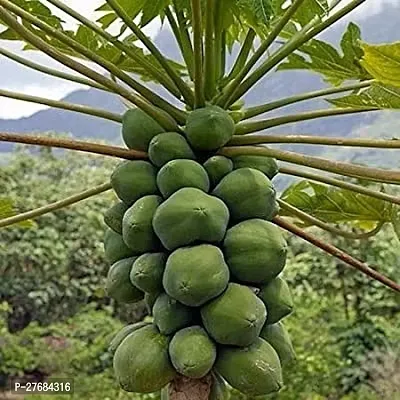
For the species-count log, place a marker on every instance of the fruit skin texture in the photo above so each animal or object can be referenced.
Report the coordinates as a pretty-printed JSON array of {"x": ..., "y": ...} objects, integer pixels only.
[
  {"x": 170, "y": 315},
  {"x": 195, "y": 275},
  {"x": 132, "y": 180},
  {"x": 190, "y": 215},
  {"x": 147, "y": 272},
  {"x": 138, "y": 129},
  {"x": 219, "y": 389},
  {"x": 114, "y": 247},
  {"x": 137, "y": 228},
  {"x": 253, "y": 370},
  {"x": 277, "y": 336},
  {"x": 217, "y": 167},
  {"x": 113, "y": 216},
  {"x": 209, "y": 128},
  {"x": 234, "y": 318},
  {"x": 141, "y": 362},
  {"x": 277, "y": 298},
  {"x": 169, "y": 146},
  {"x": 178, "y": 174},
  {"x": 192, "y": 352},
  {"x": 118, "y": 285},
  {"x": 248, "y": 193},
  {"x": 255, "y": 251},
  {"x": 266, "y": 165},
  {"x": 123, "y": 333}
]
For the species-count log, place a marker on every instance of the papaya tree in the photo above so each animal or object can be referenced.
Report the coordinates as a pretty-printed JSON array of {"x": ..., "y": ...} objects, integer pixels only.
[{"x": 198, "y": 228}]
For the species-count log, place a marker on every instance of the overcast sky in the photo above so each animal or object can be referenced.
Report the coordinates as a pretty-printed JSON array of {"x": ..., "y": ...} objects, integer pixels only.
[{"x": 21, "y": 79}]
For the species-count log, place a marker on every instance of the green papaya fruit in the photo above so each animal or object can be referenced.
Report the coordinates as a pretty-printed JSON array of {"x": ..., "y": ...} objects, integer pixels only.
[
  {"x": 149, "y": 300},
  {"x": 255, "y": 251},
  {"x": 169, "y": 146},
  {"x": 137, "y": 225},
  {"x": 147, "y": 272},
  {"x": 219, "y": 389},
  {"x": 118, "y": 284},
  {"x": 123, "y": 333},
  {"x": 278, "y": 337},
  {"x": 170, "y": 315},
  {"x": 114, "y": 247},
  {"x": 190, "y": 215},
  {"x": 177, "y": 174},
  {"x": 209, "y": 128},
  {"x": 217, "y": 167},
  {"x": 248, "y": 193},
  {"x": 195, "y": 275},
  {"x": 254, "y": 370},
  {"x": 132, "y": 180},
  {"x": 113, "y": 216},
  {"x": 277, "y": 298},
  {"x": 141, "y": 362},
  {"x": 138, "y": 128},
  {"x": 266, "y": 165},
  {"x": 192, "y": 352},
  {"x": 236, "y": 317}
]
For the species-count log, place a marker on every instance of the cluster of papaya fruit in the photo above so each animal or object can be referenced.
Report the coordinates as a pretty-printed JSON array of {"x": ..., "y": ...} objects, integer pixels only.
[{"x": 192, "y": 236}]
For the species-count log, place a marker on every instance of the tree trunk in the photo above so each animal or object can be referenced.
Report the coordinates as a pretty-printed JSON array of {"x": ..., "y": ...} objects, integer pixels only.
[{"x": 183, "y": 388}]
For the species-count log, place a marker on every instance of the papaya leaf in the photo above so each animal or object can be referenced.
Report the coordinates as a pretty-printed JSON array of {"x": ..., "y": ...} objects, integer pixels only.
[
  {"x": 309, "y": 10},
  {"x": 7, "y": 209},
  {"x": 383, "y": 62},
  {"x": 335, "y": 205},
  {"x": 378, "y": 95}
]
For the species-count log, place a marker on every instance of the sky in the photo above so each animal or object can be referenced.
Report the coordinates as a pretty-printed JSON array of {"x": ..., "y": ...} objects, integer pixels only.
[{"x": 25, "y": 80}]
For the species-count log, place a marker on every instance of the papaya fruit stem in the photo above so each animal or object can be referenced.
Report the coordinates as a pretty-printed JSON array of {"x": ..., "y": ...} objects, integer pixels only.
[
  {"x": 339, "y": 183},
  {"x": 54, "y": 206},
  {"x": 63, "y": 105},
  {"x": 264, "y": 108},
  {"x": 336, "y": 252}
]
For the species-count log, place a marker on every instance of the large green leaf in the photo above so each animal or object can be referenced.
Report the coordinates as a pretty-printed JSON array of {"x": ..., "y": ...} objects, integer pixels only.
[
  {"x": 7, "y": 209},
  {"x": 383, "y": 62},
  {"x": 335, "y": 205}
]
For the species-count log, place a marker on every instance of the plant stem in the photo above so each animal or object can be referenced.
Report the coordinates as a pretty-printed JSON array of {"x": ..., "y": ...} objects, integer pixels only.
[
  {"x": 54, "y": 206},
  {"x": 72, "y": 144},
  {"x": 334, "y": 251},
  {"x": 297, "y": 41},
  {"x": 50, "y": 71},
  {"x": 317, "y": 140},
  {"x": 339, "y": 183},
  {"x": 219, "y": 43},
  {"x": 40, "y": 44},
  {"x": 328, "y": 227},
  {"x": 95, "y": 112},
  {"x": 136, "y": 56},
  {"x": 232, "y": 88},
  {"x": 184, "y": 89},
  {"x": 198, "y": 53},
  {"x": 245, "y": 128},
  {"x": 337, "y": 167},
  {"x": 264, "y": 108},
  {"x": 209, "y": 50},
  {"x": 148, "y": 94}
]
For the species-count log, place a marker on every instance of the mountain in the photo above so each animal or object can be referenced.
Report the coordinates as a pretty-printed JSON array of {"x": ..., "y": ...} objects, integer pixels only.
[{"x": 274, "y": 86}]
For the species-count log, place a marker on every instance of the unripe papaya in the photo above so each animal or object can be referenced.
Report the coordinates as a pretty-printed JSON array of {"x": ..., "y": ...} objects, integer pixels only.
[
  {"x": 123, "y": 333},
  {"x": 118, "y": 285},
  {"x": 138, "y": 128},
  {"x": 219, "y": 389},
  {"x": 113, "y": 216},
  {"x": 277, "y": 298},
  {"x": 236, "y": 317},
  {"x": 132, "y": 180},
  {"x": 192, "y": 352},
  {"x": 147, "y": 272},
  {"x": 209, "y": 128},
  {"x": 177, "y": 174},
  {"x": 190, "y": 215},
  {"x": 254, "y": 370},
  {"x": 217, "y": 167},
  {"x": 255, "y": 251},
  {"x": 137, "y": 228},
  {"x": 115, "y": 248},
  {"x": 141, "y": 362},
  {"x": 266, "y": 165},
  {"x": 248, "y": 193},
  {"x": 169, "y": 146},
  {"x": 170, "y": 315}
]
